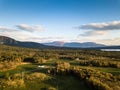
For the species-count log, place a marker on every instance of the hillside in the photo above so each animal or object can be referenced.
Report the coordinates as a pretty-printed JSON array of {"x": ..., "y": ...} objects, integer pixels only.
[{"x": 9, "y": 41}]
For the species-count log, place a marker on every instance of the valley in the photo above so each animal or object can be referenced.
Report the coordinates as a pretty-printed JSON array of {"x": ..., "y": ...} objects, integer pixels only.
[{"x": 58, "y": 69}]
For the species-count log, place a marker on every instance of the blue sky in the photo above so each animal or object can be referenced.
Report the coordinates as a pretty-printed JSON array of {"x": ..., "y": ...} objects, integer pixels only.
[{"x": 61, "y": 20}]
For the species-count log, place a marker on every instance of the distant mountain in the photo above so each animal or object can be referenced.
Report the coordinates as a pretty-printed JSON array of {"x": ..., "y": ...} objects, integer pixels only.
[
  {"x": 9, "y": 41},
  {"x": 74, "y": 44},
  {"x": 83, "y": 45},
  {"x": 54, "y": 45}
]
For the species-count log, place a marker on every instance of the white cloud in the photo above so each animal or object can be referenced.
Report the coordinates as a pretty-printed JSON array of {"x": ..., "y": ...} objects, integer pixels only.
[
  {"x": 19, "y": 34},
  {"x": 94, "y": 33},
  {"x": 113, "y": 41},
  {"x": 99, "y": 29},
  {"x": 45, "y": 39},
  {"x": 3, "y": 29},
  {"x": 24, "y": 27},
  {"x": 25, "y": 33},
  {"x": 115, "y": 25},
  {"x": 30, "y": 28}
]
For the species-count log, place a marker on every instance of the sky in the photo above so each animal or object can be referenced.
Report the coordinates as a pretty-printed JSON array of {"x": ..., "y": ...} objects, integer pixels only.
[{"x": 61, "y": 20}]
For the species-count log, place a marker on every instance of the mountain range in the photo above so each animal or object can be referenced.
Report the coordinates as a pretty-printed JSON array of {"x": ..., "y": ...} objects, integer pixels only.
[
  {"x": 74, "y": 44},
  {"x": 57, "y": 44}
]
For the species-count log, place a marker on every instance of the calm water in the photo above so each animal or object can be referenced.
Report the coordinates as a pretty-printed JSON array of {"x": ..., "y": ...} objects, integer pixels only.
[{"x": 110, "y": 49}]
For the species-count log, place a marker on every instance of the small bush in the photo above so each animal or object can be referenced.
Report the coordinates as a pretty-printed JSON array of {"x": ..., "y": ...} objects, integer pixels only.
[{"x": 36, "y": 76}]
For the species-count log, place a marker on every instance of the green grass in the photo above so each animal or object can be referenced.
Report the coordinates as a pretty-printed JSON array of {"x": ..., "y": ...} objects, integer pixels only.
[
  {"x": 20, "y": 69},
  {"x": 70, "y": 83},
  {"x": 65, "y": 82},
  {"x": 52, "y": 62},
  {"x": 114, "y": 71},
  {"x": 59, "y": 82}
]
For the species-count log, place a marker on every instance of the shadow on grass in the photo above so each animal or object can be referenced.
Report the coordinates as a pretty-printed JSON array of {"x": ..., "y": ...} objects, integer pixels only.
[{"x": 67, "y": 82}]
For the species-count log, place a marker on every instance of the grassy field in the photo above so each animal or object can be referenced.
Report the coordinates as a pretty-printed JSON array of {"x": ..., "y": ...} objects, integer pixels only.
[
  {"x": 58, "y": 82},
  {"x": 114, "y": 71},
  {"x": 62, "y": 69},
  {"x": 34, "y": 67}
]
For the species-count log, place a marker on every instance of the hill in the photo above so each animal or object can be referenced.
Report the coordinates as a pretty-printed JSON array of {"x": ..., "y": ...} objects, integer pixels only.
[{"x": 9, "y": 41}]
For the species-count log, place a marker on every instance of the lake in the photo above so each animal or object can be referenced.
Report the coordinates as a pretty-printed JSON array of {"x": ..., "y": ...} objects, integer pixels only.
[{"x": 110, "y": 49}]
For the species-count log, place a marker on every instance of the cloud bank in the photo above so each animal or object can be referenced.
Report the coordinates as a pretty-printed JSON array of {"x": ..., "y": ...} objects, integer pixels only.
[
  {"x": 30, "y": 28},
  {"x": 115, "y": 25},
  {"x": 99, "y": 29},
  {"x": 46, "y": 39},
  {"x": 113, "y": 41},
  {"x": 3, "y": 29},
  {"x": 24, "y": 27},
  {"x": 25, "y": 32},
  {"x": 94, "y": 33},
  {"x": 21, "y": 32}
]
